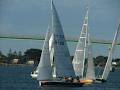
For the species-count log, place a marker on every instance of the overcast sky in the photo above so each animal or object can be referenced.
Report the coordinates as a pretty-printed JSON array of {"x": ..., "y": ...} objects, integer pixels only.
[{"x": 31, "y": 17}]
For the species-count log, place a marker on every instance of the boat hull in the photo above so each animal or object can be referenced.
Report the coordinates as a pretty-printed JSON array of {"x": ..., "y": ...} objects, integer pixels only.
[
  {"x": 100, "y": 80},
  {"x": 59, "y": 84}
]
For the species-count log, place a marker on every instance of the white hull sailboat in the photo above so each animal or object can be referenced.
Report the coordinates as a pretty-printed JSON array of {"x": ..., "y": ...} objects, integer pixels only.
[
  {"x": 58, "y": 71},
  {"x": 108, "y": 65}
]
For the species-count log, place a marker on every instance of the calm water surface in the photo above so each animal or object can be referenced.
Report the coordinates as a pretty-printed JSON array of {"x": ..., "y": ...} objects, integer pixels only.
[{"x": 18, "y": 78}]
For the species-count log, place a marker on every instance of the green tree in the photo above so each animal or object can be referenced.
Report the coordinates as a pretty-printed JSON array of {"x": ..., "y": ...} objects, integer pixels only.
[
  {"x": 33, "y": 54},
  {"x": 2, "y": 58},
  {"x": 9, "y": 56},
  {"x": 21, "y": 58},
  {"x": 12, "y": 55},
  {"x": 100, "y": 60}
]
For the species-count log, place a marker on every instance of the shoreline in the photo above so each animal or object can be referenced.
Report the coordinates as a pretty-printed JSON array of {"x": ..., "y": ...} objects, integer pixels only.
[
  {"x": 5, "y": 64},
  {"x": 23, "y": 65}
]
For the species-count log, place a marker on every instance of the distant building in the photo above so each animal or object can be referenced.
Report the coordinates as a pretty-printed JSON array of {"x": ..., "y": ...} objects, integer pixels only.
[
  {"x": 30, "y": 62},
  {"x": 15, "y": 61},
  {"x": 114, "y": 63}
]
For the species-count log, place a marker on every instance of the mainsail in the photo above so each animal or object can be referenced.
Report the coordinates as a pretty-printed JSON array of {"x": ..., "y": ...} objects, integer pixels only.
[
  {"x": 44, "y": 67},
  {"x": 90, "y": 74},
  {"x": 109, "y": 60},
  {"x": 79, "y": 57},
  {"x": 63, "y": 64}
]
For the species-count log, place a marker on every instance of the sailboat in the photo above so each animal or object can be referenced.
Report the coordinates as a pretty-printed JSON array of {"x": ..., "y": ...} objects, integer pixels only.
[
  {"x": 80, "y": 53},
  {"x": 109, "y": 60},
  {"x": 82, "y": 50},
  {"x": 60, "y": 71}
]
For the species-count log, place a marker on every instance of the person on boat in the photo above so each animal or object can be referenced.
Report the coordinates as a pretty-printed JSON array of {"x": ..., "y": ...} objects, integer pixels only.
[
  {"x": 70, "y": 79},
  {"x": 76, "y": 79}
]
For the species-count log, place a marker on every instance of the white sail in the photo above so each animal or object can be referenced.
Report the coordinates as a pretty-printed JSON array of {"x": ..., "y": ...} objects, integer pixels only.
[
  {"x": 90, "y": 74},
  {"x": 79, "y": 57},
  {"x": 109, "y": 60},
  {"x": 51, "y": 50},
  {"x": 51, "y": 42},
  {"x": 62, "y": 62},
  {"x": 44, "y": 67},
  {"x": 35, "y": 73}
]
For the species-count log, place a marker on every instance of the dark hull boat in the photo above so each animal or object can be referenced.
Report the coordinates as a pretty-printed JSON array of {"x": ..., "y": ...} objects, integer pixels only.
[
  {"x": 55, "y": 60},
  {"x": 100, "y": 80},
  {"x": 60, "y": 84}
]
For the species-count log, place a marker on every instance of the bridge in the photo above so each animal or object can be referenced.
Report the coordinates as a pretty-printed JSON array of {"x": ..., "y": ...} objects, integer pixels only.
[{"x": 42, "y": 37}]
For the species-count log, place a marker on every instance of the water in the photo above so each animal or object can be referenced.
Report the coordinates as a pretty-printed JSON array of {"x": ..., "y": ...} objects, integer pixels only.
[{"x": 18, "y": 78}]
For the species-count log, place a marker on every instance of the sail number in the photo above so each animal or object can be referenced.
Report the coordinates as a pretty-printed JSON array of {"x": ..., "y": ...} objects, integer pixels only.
[{"x": 59, "y": 40}]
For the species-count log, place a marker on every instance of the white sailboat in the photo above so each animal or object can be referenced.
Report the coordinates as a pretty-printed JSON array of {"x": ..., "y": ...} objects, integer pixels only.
[
  {"x": 80, "y": 53},
  {"x": 84, "y": 50},
  {"x": 109, "y": 60},
  {"x": 62, "y": 66}
]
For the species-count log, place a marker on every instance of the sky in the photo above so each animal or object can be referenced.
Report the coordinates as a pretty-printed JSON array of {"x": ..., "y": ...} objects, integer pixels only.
[{"x": 31, "y": 17}]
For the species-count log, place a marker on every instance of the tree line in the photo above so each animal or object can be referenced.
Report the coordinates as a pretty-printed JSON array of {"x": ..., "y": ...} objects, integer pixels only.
[
  {"x": 29, "y": 54},
  {"x": 34, "y": 54}
]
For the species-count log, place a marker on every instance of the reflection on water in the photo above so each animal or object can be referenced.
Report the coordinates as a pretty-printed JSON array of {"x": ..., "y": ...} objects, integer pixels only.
[{"x": 18, "y": 78}]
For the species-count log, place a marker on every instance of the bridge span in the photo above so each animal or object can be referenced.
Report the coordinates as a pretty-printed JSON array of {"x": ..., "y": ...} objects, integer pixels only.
[{"x": 42, "y": 37}]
